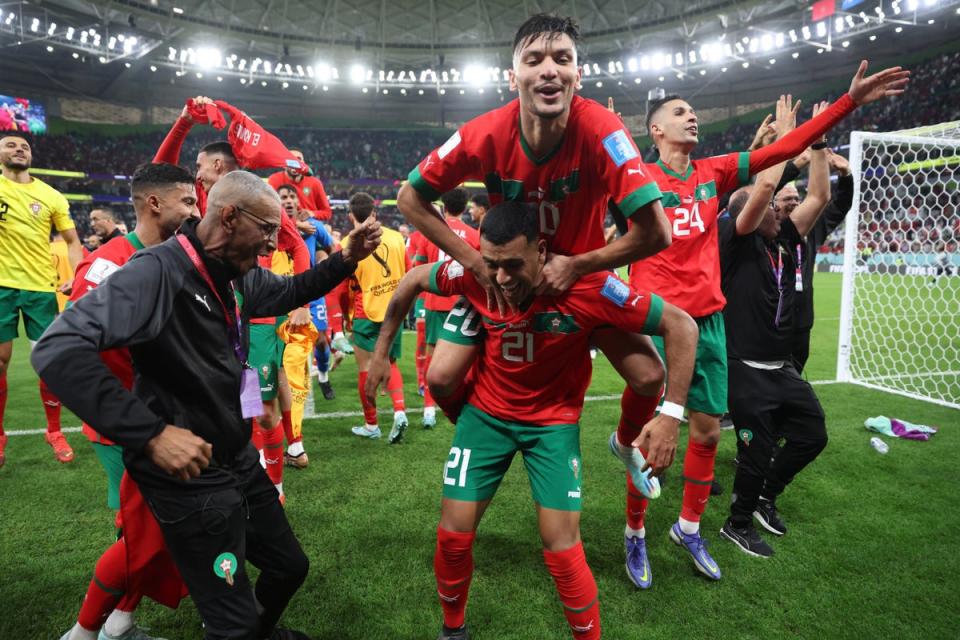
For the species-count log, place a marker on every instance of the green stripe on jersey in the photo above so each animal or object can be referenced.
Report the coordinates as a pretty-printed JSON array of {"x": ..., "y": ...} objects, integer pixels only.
[
  {"x": 555, "y": 322},
  {"x": 743, "y": 168},
  {"x": 639, "y": 198},
  {"x": 433, "y": 288},
  {"x": 509, "y": 189},
  {"x": 426, "y": 192}
]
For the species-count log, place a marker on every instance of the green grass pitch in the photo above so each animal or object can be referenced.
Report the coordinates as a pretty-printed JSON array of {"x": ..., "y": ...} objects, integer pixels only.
[{"x": 870, "y": 552}]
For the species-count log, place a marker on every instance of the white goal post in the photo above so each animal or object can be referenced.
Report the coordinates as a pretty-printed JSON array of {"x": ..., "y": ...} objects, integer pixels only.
[{"x": 900, "y": 304}]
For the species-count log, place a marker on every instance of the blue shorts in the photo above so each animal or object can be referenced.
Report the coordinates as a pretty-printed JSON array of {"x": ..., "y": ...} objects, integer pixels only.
[{"x": 318, "y": 313}]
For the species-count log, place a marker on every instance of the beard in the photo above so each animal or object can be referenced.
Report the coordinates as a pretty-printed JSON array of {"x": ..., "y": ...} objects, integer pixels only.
[{"x": 16, "y": 165}]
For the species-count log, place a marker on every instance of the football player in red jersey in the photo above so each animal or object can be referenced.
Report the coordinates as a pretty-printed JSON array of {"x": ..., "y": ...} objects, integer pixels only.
[
  {"x": 687, "y": 274},
  {"x": 313, "y": 197},
  {"x": 531, "y": 378}
]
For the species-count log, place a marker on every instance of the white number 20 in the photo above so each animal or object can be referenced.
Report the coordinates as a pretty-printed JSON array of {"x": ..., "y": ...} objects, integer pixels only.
[{"x": 684, "y": 219}]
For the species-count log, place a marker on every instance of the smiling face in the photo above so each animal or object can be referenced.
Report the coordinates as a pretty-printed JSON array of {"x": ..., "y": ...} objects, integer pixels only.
[
  {"x": 787, "y": 199},
  {"x": 175, "y": 204},
  {"x": 253, "y": 232},
  {"x": 515, "y": 266},
  {"x": 15, "y": 153},
  {"x": 545, "y": 75},
  {"x": 675, "y": 123}
]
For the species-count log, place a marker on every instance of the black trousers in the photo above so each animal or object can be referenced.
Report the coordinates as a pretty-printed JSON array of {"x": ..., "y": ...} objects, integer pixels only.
[
  {"x": 767, "y": 406},
  {"x": 237, "y": 521},
  {"x": 801, "y": 348}
]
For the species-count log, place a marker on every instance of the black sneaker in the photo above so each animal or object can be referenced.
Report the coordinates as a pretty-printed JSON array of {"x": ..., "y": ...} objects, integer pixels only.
[
  {"x": 327, "y": 390},
  {"x": 726, "y": 422},
  {"x": 716, "y": 489},
  {"x": 769, "y": 518},
  {"x": 446, "y": 633},
  {"x": 747, "y": 539}
]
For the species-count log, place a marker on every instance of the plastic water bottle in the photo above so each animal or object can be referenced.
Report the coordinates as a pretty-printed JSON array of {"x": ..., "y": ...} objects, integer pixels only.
[{"x": 879, "y": 445}]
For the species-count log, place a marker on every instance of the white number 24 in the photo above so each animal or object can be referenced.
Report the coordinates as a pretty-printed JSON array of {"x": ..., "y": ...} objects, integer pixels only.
[{"x": 684, "y": 219}]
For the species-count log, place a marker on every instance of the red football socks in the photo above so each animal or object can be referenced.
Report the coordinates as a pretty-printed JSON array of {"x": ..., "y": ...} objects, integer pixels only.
[
  {"x": 453, "y": 568},
  {"x": 636, "y": 505},
  {"x": 428, "y": 400},
  {"x": 635, "y": 411},
  {"x": 273, "y": 452},
  {"x": 577, "y": 590},
  {"x": 107, "y": 587},
  {"x": 395, "y": 388},
  {"x": 697, "y": 478},
  {"x": 51, "y": 406},
  {"x": 288, "y": 427},
  {"x": 369, "y": 410}
]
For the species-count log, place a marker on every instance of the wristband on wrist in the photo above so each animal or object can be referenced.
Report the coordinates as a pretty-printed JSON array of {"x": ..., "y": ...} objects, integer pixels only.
[{"x": 672, "y": 409}]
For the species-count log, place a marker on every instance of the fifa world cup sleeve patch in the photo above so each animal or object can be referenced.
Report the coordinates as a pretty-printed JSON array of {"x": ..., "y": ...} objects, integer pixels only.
[
  {"x": 619, "y": 148},
  {"x": 615, "y": 290},
  {"x": 100, "y": 270}
]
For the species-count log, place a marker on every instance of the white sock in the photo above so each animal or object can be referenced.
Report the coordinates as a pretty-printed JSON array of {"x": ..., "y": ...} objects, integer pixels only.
[
  {"x": 688, "y": 527},
  {"x": 118, "y": 623},
  {"x": 79, "y": 633},
  {"x": 635, "y": 533},
  {"x": 279, "y": 487},
  {"x": 429, "y": 412},
  {"x": 399, "y": 414},
  {"x": 372, "y": 427},
  {"x": 338, "y": 334},
  {"x": 322, "y": 376},
  {"x": 295, "y": 448}
]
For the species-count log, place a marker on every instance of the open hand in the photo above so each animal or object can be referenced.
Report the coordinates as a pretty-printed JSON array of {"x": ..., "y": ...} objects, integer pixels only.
[
  {"x": 764, "y": 135},
  {"x": 786, "y": 115},
  {"x": 363, "y": 240},
  {"x": 889, "y": 82},
  {"x": 298, "y": 317},
  {"x": 185, "y": 114},
  {"x": 559, "y": 273},
  {"x": 495, "y": 297}
]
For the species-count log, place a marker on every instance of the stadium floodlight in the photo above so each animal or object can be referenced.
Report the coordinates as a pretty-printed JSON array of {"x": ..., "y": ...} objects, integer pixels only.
[
  {"x": 208, "y": 57},
  {"x": 754, "y": 45},
  {"x": 766, "y": 42},
  {"x": 153, "y": 68},
  {"x": 183, "y": 55},
  {"x": 382, "y": 75},
  {"x": 323, "y": 71},
  {"x": 912, "y": 5},
  {"x": 199, "y": 75},
  {"x": 806, "y": 32},
  {"x": 849, "y": 20},
  {"x": 632, "y": 65},
  {"x": 931, "y": 21},
  {"x": 35, "y": 25},
  {"x": 129, "y": 44},
  {"x": 420, "y": 92},
  {"x": 267, "y": 67},
  {"x": 70, "y": 32},
  {"x": 821, "y": 29},
  {"x": 838, "y": 25},
  {"x": 772, "y": 61},
  {"x": 390, "y": 75},
  {"x": 692, "y": 57},
  {"x": 178, "y": 11},
  {"x": 703, "y": 72},
  {"x": 599, "y": 84},
  {"x": 402, "y": 77},
  {"x": 586, "y": 70},
  {"x": 305, "y": 87},
  {"x": 256, "y": 65},
  {"x": 678, "y": 58},
  {"x": 83, "y": 36},
  {"x": 793, "y": 35},
  {"x": 364, "y": 90},
  {"x": 898, "y": 30},
  {"x": 52, "y": 28},
  {"x": 740, "y": 49},
  {"x": 778, "y": 40},
  {"x": 300, "y": 71},
  {"x": 126, "y": 64},
  {"x": 357, "y": 74},
  {"x": 611, "y": 68},
  {"x": 929, "y": 3},
  {"x": 403, "y": 92},
  {"x": 596, "y": 69},
  {"x": 285, "y": 84},
  {"x": 102, "y": 60},
  {"x": 873, "y": 37},
  {"x": 10, "y": 18},
  {"x": 76, "y": 56},
  {"x": 49, "y": 49},
  {"x": 243, "y": 81},
  {"x": 723, "y": 69},
  {"x": 636, "y": 80},
  {"x": 745, "y": 65},
  {"x": 845, "y": 44},
  {"x": 658, "y": 61},
  {"x": 112, "y": 42},
  {"x": 644, "y": 62},
  {"x": 325, "y": 88},
  {"x": 619, "y": 66},
  {"x": 242, "y": 65},
  {"x": 795, "y": 55}
]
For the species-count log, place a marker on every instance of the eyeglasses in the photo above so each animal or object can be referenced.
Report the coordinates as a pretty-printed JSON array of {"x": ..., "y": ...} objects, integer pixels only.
[{"x": 269, "y": 229}]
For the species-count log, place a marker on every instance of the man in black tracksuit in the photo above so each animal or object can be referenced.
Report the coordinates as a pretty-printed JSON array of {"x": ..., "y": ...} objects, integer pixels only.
[{"x": 185, "y": 428}]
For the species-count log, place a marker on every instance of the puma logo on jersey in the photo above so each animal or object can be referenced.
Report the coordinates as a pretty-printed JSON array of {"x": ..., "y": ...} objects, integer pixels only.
[
  {"x": 202, "y": 300},
  {"x": 582, "y": 628},
  {"x": 635, "y": 172},
  {"x": 447, "y": 598}
]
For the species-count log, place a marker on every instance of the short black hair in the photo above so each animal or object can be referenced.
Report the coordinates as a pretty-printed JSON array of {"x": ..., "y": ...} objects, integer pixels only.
[
  {"x": 154, "y": 174},
  {"x": 361, "y": 205},
  {"x": 220, "y": 147},
  {"x": 455, "y": 201},
  {"x": 656, "y": 105},
  {"x": 546, "y": 24},
  {"x": 737, "y": 202},
  {"x": 481, "y": 200},
  {"x": 288, "y": 187},
  {"x": 508, "y": 220},
  {"x": 107, "y": 210},
  {"x": 24, "y": 135}
]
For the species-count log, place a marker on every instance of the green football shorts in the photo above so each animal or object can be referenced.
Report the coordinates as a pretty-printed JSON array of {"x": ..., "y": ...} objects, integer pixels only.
[
  {"x": 419, "y": 311},
  {"x": 484, "y": 446},
  {"x": 266, "y": 356},
  {"x": 708, "y": 388},
  {"x": 365, "y": 334},
  {"x": 463, "y": 325},
  {"x": 435, "y": 320},
  {"x": 111, "y": 458},
  {"x": 39, "y": 308}
]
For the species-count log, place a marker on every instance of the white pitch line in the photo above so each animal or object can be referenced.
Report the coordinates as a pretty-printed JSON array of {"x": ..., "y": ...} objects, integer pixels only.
[{"x": 352, "y": 414}]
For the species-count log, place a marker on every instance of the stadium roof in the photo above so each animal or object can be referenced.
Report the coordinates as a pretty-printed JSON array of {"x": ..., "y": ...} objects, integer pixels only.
[{"x": 324, "y": 54}]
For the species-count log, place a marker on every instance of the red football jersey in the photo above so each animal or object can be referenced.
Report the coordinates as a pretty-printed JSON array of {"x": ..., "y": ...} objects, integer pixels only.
[
  {"x": 91, "y": 271},
  {"x": 687, "y": 273},
  {"x": 535, "y": 367},
  {"x": 433, "y": 253},
  {"x": 312, "y": 195},
  {"x": 595, "y": 162}
]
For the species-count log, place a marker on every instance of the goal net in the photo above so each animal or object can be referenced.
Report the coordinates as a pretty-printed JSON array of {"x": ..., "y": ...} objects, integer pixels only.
[{"x": 900, "y": 309}]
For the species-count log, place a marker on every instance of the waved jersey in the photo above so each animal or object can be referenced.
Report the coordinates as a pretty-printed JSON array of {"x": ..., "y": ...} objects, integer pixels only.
[
  {"x": 61, "y": 264},
  {"x": 687, "y": 273},
  {"x": 429, "y": 252},
  {"x": 535, "y": 367},
  {"x": 378, "y": 275},
  {"x": 28, "y": 212},
  {"x": 91, "y": 272},
  {"x": 595, "y": 162}
]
